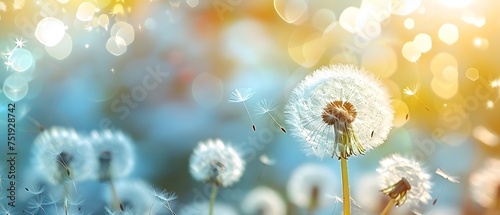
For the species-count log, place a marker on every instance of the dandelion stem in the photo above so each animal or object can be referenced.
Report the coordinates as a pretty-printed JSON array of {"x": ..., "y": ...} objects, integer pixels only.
[
  {"x": 116, "y": 202},
  {"x": 345, "y": 187},
  {"x": 388, "y": 208},
  {"x": 249, "y": 116},
  {"x": 212, "y": 199},
  {"x": 66, "y": 194}
]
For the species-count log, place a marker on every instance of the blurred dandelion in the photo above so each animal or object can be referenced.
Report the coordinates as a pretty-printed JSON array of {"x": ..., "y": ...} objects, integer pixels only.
[
  {"x": 266, "y": 107},
  {"x": 198, "y": 208},
  {"x": 485, "y": 185},
  {"x": 241, "y": 95},
  {"x": 412, "y": 91},
  {"x": 340, "y": 111},
  {"x": 263, "y": 201},
  {"x": 114, "y": 154},
  {"x": 403, "y": 180},
  {"x": 216, "y": 163},
  {"x": 309, "y": 185},
  {"x": 63, "y": 155}
]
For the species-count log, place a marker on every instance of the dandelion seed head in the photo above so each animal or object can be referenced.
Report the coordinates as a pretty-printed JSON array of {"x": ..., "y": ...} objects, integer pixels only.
[
  {"x": 264, "y": 106},
  {"x": 215, "y": 162},
  {"x": 263, "y": 201},
  {"x": 241, "y": 95},
  {"x": 114, "y": 154},
  {"x": 394, "y": 168},
  {"x": 63, "y": 155},
  {"x": 485, "y": 183},
  {"x": 309, "y": 180},
  {"x": 334, "y": 111},
  {"x": 198, "y": 208}
]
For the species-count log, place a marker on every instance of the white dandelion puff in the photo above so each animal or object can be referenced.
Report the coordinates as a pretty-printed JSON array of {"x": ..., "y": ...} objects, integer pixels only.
[
  {"x": 215, "y": 162},
  {"x": 201, "y": 208},
  {"x": 264, "y": 107},
  {"x": 242, "y": 95},
  {"x": 339, "y": 111},
  {"x": 62, "y": 155},
  {"x": 309, "y": 184},
  {"x": 485, "y": 183},
  {"x": 114, "y": 154},
  {"x": 412, "y": 91},
  {"x": 263, "y": 201},
  {"x": 403, "y": 180}
]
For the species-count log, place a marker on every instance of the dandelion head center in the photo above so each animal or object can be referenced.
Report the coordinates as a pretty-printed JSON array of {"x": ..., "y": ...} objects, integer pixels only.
[
  {"x": 105, "y": 157},
  {"x": 339, "y": 111},
  {"x": 64, "y": 159},
  {"x": 398, "y": 191}
]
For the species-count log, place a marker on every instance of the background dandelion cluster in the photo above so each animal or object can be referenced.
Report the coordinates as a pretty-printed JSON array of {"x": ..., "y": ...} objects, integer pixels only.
[{"x": 162, "y": 71}]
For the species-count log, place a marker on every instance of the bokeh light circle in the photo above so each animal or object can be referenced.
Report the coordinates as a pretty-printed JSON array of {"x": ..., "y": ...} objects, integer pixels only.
[
  {"x": 50, "y": 31},
  {"x": 15, "y": 87},
  {"x": 207, "y": 90},
  {"x": 20, "y": 59}
]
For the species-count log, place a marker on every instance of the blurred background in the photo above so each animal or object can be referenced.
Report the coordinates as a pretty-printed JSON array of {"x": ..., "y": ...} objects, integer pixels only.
[{"x": 162, "y": 71}]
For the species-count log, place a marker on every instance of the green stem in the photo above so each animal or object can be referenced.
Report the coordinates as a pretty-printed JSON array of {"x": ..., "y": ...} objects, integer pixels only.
[
  {"x": 212, "y": 198},
  {"x": 345, "y": 187}
]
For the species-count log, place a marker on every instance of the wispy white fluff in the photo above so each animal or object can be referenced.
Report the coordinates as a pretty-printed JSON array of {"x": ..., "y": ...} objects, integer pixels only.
[
  {"x": 307, "y": 177},
  {"x": 113, "y": 153},
  {"x": 215, "y": 162},
  {"x": 263, "y": 201},
  {"x": 55, "y": 145},
  {"x": 344, "y": 83},
  {"x": 394, "y": 167}
]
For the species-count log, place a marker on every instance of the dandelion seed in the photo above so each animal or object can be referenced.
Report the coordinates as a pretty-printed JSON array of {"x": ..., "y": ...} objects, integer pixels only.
[
  {"x": 242, "y": 95},
  {"x": 334, "y": 110},
  {"x": 446, "y": 176},
  {"x": 164, "y": 197},
  {"x": 136, "y": 198},
  {"x": 309, "y": 184},
  {"x": 266, "y": 107},
  {"x": 263, "y": 201},
  {"x": 404, "y": 180},
  {"x": 35, "y": 190},
  {"x": 412, "y": 91}
]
